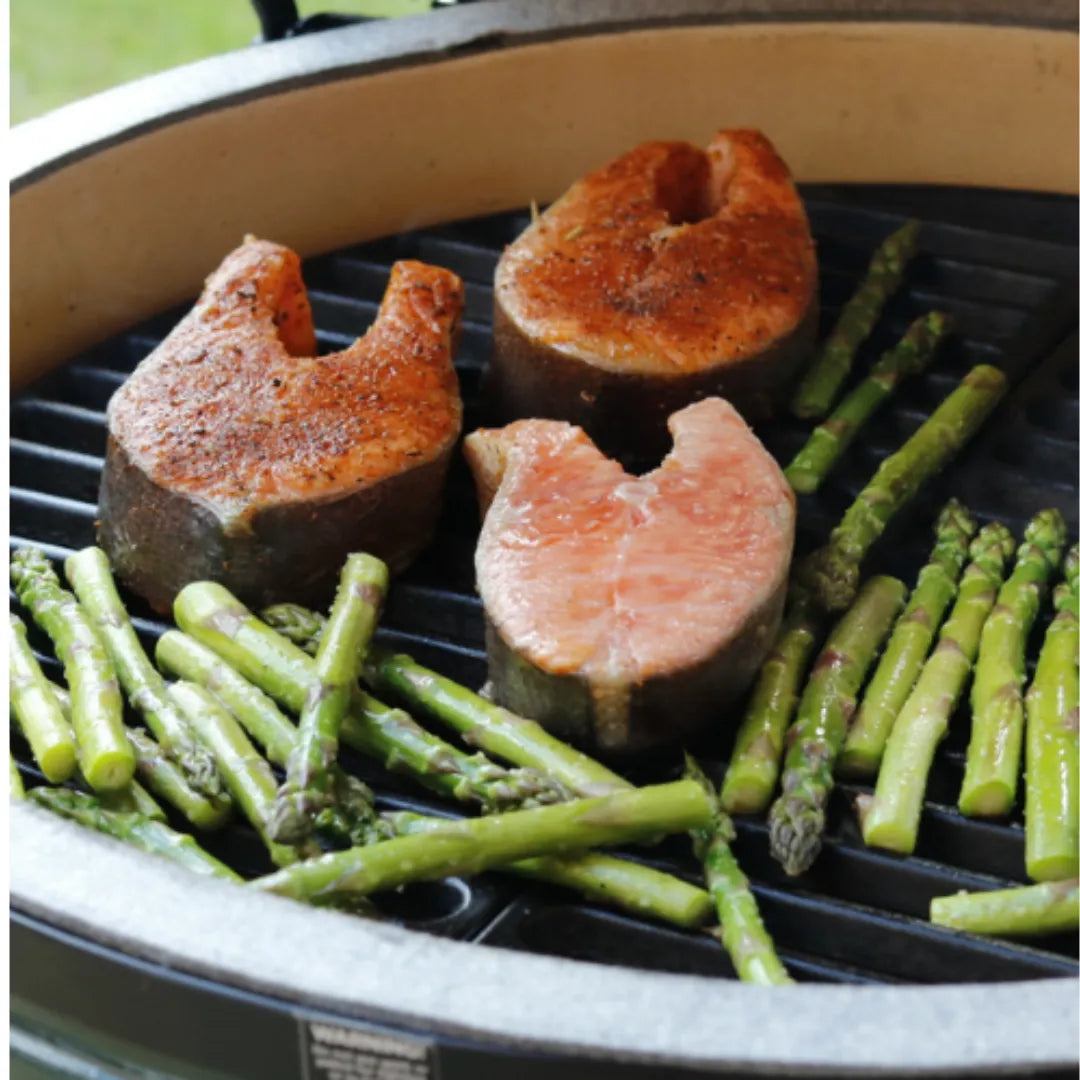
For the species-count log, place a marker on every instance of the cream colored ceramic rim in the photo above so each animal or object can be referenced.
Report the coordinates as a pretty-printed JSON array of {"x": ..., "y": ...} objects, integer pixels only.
[{"x": 117, "y": 235}]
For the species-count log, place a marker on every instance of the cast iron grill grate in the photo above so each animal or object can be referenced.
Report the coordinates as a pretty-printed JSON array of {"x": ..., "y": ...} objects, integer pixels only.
[{"x": 858, "y": 915}]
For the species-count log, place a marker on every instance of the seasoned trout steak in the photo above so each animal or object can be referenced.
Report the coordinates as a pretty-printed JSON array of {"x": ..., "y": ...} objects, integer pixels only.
[
  {"x": 625, "y": 612},
  {"x": 669, "y": 275},
  {"x": 237, "y": 454}
]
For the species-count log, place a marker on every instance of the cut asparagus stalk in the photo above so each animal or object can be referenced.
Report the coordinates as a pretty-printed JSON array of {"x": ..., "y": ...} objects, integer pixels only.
[
  {"x": 831, "y": 438},
  {"x": 15, "y": 784},
  {"x": 1052, "y": 750},
  {"x": 133, "y": 798},
  {"x": 831, "y": 574},
  {"x": 309, "y": 782},
  {"x": 133, "y": 828},
  {"x": 797, "y": 818},
  {"x": 742, "y": 931},
  {"x": 1051, "y": 907},
  {"x": 759, "y": 743},
  {"x": 246, "y": 774},
  {"x": 38, "y": 713},
  {"x": 472, "y": 845},
  {"x": 105, "y": 754},
  {"x": 997, "y": 690},
  {"x": 630, "y": 886},
  {"x": 911, "y": 639},
  {"x": 90, "y": 577},
  {"x": 890, "y": 818},
  {"x": 820, "y": 385},
  {"x": 213, "y": 616},
  {"x": 350, "y": 818},
  {"x": 493, "y": 729}
]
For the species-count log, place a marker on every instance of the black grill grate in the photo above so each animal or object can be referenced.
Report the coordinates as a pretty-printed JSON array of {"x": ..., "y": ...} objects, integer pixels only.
[{"x": 859, "y": 915}]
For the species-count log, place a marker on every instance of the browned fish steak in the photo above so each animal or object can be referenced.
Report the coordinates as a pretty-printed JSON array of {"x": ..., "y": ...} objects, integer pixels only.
[
  {"x": 671, "y": 274},
  {"x": 236, "y": 454}
]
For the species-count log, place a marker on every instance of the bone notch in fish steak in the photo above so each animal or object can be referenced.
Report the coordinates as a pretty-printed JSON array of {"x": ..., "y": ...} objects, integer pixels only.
[
  {"x": 627, "y": 612},
  {"x": 671, "y": 274},
  {"x": 238, "y": 455}
]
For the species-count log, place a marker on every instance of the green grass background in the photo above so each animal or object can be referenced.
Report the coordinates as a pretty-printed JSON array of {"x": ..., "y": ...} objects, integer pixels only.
[{"x": 66, "y": 49}]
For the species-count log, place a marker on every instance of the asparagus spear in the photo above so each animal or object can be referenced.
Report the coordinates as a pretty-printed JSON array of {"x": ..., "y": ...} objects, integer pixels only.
[
  {"x": 831, "y": 574},
  {"x": 910, "y": 642},
  {"x": 759, "y": 743},
  {"x": 246, "y": 774},
  {"x": 637, "y": 889},
  {"x": 36, "y": 709},
  {"x": 890, "y": 819},
  {"x": 820, "y": 384},
  {"x": 472, "y": 845},
  {"x": 90, "y": 577},
  {"x": 495, "y": 730},
  {"x": 309, "y": 779},
  {"x": 351, "y": 816},
  {"x": 997, "y": 690},
  {"x": 302, "y": 626},
  {"x": 797, "y": 818},
  {"x": 1048, "y": 908},
  {"x": 1052, "y": 754},
  {"x": 133, "y": 798},
  {"x": 15, "y": 784},
  {"x": 105, "y": 755},
  {"x": 742, "y": 931},
  {"x": 133, "y": 828},
  {"x": 833, "y": 436},
  {"x": 213, "y": 616}
]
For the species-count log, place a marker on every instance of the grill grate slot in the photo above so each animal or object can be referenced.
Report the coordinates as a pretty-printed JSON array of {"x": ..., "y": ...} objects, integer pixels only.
[{"x": 859, "y": 916}]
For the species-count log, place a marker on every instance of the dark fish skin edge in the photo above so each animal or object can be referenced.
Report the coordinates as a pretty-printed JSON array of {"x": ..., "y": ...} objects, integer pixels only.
[
  {"x": 626, "y": 414},
  {"x": 158, "y": 540},
  {"x": 661, "y": 711}
]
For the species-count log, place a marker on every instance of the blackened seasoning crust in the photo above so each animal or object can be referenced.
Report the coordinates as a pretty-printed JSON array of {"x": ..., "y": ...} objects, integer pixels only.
[{"x": 235, "y": 454}]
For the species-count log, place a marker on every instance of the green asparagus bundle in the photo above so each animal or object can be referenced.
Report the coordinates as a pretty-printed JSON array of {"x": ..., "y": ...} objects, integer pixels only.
[
  {"x": 350, "y": 818},
  {"x": 831, "y": 574},
  {"x": 309, "y": 782},
  {"x": 247, "y": 776},
  {"x": 1051, "y": 907},
  {"x": 472, "y": 845},
  {"x": 213, "y": 616},
  {"x": 105, "y": 754},
  {"x": 1052, "y": 748},
  {"x": 857, "y": 319},
  {"x": 742, "y": 931},
  {"x": 997, "y": 690},
  {"x": 90, "y": 577},
  {"x": 826, "y": 581},
  {"x": 890, "y": 818},
  {"x": 133, "y": 828},
  {"x": 833, "y": 436},
  {"x": 38, "y": 713},
  {"x": 911, "y": 639},
  {"x": 797, "y": 818},
  {"x": 631, "y": 886},
  {"x": 759, "y": 743},
  {"x": 15, "y": 784},
  {"x": 391, "y": 736}
]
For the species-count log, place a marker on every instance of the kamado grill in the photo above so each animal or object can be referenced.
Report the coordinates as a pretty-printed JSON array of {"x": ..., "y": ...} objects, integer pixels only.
[{"x": 428, "y": 138}]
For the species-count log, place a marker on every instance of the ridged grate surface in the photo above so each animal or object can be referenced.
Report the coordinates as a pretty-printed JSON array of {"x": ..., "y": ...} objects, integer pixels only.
[{"x": 859, "y": 915}]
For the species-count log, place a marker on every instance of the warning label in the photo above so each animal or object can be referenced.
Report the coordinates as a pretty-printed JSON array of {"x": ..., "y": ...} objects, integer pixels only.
[{"x": 332, "y": 1052}]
